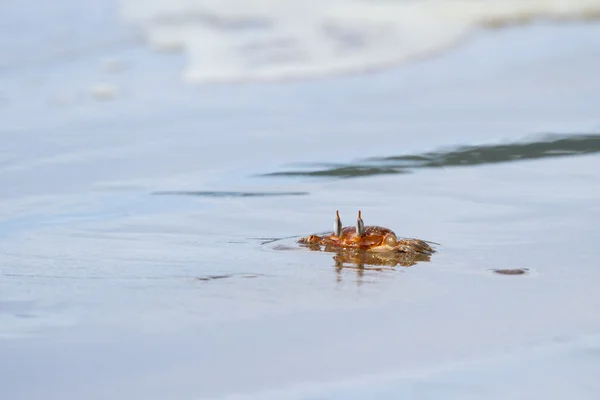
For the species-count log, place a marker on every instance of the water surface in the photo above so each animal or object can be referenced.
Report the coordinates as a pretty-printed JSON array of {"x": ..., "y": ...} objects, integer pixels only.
[{"x": 145, "y": 254}]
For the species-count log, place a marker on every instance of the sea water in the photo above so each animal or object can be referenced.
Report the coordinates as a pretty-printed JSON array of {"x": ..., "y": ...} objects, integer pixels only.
[{"x": 159, "y": 160}]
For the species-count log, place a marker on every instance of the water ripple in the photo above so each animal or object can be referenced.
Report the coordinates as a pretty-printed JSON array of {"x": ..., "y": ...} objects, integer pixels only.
[{"x": 545, "y": 147}]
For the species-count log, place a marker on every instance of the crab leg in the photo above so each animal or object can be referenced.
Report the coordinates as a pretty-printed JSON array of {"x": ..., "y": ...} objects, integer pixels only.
[
  {"x": 360, "y": 225},
  {"x": 337, "y": 225}
]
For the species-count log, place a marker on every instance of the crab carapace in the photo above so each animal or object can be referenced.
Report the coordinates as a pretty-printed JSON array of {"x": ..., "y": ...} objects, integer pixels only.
[{"x": 366, "y": 238}]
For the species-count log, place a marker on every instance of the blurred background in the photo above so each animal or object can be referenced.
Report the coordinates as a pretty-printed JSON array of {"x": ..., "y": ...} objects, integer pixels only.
[{"x": 160, "y": 159}]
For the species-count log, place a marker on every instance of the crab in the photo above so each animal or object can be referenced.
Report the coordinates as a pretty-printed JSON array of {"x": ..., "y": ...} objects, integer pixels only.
[{"x": 366, "y": 239}]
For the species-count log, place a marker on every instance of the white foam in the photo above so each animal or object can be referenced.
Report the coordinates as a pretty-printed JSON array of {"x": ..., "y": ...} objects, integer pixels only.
[{"x": 229, "y": 40}]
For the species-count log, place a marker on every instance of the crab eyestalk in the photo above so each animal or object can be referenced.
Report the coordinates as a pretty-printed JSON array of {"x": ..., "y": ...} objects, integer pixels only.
[
  {"x": 337, "y": 225},
  {"x": 360, "y": 225}
]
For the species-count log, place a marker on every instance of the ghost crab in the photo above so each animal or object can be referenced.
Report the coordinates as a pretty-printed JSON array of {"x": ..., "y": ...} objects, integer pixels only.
[{"x": 366, "y": 239}]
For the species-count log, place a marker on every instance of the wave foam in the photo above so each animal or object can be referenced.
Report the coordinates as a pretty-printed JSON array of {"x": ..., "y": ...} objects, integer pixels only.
[{"x": 233, "y": 40}]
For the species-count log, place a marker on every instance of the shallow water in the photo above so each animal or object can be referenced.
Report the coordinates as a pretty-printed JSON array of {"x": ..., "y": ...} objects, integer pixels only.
[{"x": 147, "y": 243}]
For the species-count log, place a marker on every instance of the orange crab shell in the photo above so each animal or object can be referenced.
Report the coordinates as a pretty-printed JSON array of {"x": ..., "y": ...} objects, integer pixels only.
[{"x": 374, "y": 238}]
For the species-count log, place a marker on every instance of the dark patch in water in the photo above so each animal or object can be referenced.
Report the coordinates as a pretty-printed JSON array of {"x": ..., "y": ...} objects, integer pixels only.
[
  {"x": 547, "y": 147},
  {"x": 511, "y": 271},
  {"x": 228, "y": 194},
  {"x": 225, "y": 276}
]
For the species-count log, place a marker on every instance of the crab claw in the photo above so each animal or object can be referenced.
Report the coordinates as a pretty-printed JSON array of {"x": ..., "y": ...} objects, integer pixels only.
[
  {"x": 360, "y": 225},
  {"x": 337, "y": 225}
]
